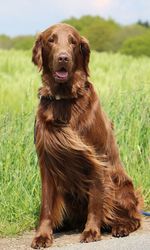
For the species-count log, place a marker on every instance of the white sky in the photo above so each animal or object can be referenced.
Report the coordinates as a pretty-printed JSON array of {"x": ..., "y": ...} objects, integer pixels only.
[{"x": 31, "y": 16}]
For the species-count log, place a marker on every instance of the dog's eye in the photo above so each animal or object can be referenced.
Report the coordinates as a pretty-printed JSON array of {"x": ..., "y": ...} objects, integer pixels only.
[
  {"x": 73, "y": 41},
  {"x": 51, "y": 40}
]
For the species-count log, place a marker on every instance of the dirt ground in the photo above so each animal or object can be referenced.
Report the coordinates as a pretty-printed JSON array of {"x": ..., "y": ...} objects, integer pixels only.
[{"x": 63, "y": 240}]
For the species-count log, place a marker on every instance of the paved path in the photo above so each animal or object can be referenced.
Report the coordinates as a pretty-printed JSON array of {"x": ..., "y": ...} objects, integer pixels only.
[{"x": 139, "y": 240}]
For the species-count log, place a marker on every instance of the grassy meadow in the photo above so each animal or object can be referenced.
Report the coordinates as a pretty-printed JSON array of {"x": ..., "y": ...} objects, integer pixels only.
[{"x": 123, "y": 84}]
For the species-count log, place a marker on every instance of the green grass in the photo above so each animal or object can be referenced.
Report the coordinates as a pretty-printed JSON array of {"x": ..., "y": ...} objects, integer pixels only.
[{"x": 124, "y": 86}]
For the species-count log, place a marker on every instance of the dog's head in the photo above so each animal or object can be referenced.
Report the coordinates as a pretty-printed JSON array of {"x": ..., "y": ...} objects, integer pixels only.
[{"x": 60, "y": 51}]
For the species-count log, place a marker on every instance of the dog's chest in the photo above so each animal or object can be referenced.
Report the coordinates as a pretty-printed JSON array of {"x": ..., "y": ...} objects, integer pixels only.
[
  {"x": 57, "y": 113},
  {"x": 61, "y": 111}
]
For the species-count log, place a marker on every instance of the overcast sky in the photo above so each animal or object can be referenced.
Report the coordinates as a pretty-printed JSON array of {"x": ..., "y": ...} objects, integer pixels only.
[{"x": 31, "y": 16}]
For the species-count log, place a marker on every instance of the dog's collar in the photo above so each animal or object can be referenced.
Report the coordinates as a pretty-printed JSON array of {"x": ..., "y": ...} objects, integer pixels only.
[{"x": 51, "y": 98}]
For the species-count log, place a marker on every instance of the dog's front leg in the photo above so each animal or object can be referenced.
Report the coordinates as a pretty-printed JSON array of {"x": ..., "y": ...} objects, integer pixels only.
[
  {"x": 44, "y": 234},
  {"x": 94, "y": 216}
]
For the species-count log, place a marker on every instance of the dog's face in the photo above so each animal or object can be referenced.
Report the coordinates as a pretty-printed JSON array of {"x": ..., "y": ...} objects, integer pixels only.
[{"x": 60, "y": 51}]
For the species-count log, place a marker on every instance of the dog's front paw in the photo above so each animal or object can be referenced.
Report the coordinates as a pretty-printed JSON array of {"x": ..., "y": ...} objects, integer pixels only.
[
  {"x": 92, "y": 234},
  {"x": 42, "y": 241}
]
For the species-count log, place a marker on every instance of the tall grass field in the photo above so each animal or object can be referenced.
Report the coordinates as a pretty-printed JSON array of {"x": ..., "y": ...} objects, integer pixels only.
[{"x": 123, "y": 85}]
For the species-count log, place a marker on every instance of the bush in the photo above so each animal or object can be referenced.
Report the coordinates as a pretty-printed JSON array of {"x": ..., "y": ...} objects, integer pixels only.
[
  {"x": 101, "y": 35},
  {"x": 137, "y": 46},
  {"x": 18, "y": 42},
  {"x": 23, "y": 42},
  {"x": 125, "y": 33},
  {"x": 5, "y": 42}
]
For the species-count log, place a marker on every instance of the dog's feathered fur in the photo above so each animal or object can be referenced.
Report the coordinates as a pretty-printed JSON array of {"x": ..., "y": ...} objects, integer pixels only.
[{"x": 83, "y": 181}]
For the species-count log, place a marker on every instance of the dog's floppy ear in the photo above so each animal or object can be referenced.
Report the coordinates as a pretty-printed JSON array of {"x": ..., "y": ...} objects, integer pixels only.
[
  {"x": 85, "y": 51},
  {"x": 37, "y": 53}
]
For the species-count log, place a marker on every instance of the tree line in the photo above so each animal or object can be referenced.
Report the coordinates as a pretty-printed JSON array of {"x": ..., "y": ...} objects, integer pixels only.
[{"x": 103, "y": 35}]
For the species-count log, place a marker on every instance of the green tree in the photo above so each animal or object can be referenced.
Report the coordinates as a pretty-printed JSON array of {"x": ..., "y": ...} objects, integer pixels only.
[{"x": 137, "y": 46}]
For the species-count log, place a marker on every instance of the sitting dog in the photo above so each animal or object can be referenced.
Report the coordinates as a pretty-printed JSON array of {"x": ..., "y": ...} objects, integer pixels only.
[{"x": 83, "y": 180}]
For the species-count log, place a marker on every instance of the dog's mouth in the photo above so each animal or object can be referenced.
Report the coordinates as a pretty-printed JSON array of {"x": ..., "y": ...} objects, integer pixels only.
[{"x": 61, "y": 75}]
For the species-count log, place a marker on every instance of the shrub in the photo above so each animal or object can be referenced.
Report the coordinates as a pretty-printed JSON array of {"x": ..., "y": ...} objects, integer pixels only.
[
  {"x": 125, "y": 33},
  {"x": 137, "y": 46},
  {"x": 5, "y": 42},
  {"x": 23, "y": 42}
]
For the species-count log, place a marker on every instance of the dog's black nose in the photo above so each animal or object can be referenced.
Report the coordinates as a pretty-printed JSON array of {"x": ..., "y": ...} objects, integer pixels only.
[{"x": 63, "y": 58}]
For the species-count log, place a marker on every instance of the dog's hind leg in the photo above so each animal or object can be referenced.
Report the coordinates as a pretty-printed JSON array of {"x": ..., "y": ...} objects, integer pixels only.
[{"x": 127, "y": 203}]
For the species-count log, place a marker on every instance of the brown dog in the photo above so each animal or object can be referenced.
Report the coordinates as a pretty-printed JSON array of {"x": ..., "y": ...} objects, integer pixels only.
[{"x": 83, "y": 181}]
